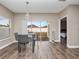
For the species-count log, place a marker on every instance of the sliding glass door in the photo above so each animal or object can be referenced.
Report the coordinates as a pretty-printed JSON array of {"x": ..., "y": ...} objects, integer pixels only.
[
  {"x": 40, "y": 28},
  {"x": 44, "y": 30}
]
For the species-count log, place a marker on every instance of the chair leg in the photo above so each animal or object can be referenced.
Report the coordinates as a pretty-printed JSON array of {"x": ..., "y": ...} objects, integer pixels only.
[
  {"x": 24, "y": 46},
  {"x": 19, "y": 47}
]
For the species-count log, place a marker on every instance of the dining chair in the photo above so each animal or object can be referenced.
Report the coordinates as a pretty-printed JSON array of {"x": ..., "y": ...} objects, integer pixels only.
[{"x": 24, "y": 39}]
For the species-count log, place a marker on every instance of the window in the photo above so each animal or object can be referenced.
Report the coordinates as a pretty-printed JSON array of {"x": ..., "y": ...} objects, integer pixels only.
[
  {"x": 4, "y": 27},
  {"x": 38, "y": 27}
]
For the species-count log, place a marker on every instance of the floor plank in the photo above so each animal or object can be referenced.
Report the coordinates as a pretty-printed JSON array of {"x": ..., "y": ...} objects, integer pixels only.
[{"x": 43, "y": 50}]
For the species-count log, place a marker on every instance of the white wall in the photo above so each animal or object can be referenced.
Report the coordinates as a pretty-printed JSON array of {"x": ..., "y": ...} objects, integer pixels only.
[
  {"x": 9, "y": 15},
  {"x": 73, "y": 25},
  {"x": 72, "y": 13},
  {"x": 51, "y": 18}
]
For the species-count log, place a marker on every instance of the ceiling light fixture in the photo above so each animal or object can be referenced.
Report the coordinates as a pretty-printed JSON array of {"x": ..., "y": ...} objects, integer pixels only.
[
  {"x": 28, "y": 18},
  {"x": 62, "y": 0},
  {"x": 27, "y": 11}
]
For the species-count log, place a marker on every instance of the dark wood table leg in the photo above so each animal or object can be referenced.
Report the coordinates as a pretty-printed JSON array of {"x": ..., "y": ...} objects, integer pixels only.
[{"x": 33, "y": 45}]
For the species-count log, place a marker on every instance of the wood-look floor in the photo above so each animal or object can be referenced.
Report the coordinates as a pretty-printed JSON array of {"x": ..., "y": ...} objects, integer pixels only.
[{"x": 43, "y": 50}]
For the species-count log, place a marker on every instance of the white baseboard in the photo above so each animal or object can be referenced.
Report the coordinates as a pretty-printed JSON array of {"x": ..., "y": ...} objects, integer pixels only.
[
  {"x": 52, "y": 41},
  {"x": 74, "y": 46},
  {"x": 57, "y": 40},
  {"x": 7, "y": 45}
]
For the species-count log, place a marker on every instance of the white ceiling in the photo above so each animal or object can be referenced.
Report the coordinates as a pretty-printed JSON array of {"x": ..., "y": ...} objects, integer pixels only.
[{"x": 37, "y": 6}]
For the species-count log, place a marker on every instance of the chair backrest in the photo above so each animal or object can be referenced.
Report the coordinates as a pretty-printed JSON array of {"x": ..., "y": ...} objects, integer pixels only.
[
  {"x": 16, "y": 36},
  {"x": 21, "y": 38}
]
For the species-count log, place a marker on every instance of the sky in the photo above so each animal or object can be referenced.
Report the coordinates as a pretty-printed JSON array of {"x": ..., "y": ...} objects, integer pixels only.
[
  {"x": 4, "y": 21},
  {"x": 38, "y": 23}
]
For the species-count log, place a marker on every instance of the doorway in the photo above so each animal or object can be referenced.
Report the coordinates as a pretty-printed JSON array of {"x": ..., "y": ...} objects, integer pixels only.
[
  {"x": 40, "y": 28},
  {"x": 63, "y": 31}
]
